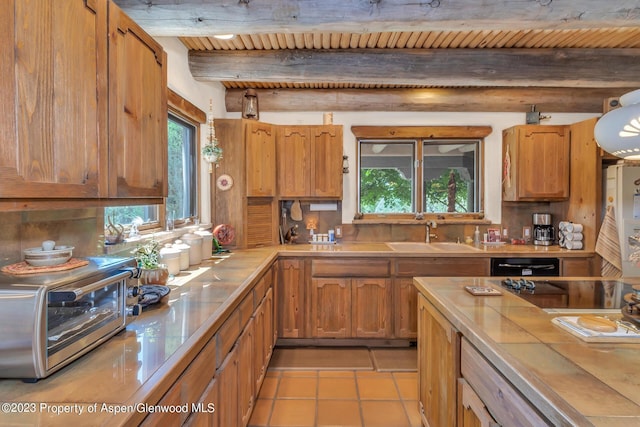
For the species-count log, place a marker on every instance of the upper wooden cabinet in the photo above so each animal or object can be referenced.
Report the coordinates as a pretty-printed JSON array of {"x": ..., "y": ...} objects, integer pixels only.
[
  {"x": 244, "y": 182},
  {"x": 83, "y": 113},
  {"x": 137, "y": 110},
  {"x": 535, "y": 163},
  {"x": 53, "y": 85},
  {"x": 310, "y": 161}
]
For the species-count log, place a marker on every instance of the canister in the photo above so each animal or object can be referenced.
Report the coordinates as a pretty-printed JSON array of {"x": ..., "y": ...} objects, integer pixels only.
[
  {"x": 170, "y": 256},
  {"x": 184, "y": 253},
  {"x": 207, "y": 243},
  {"x": 195, "y": 247}
]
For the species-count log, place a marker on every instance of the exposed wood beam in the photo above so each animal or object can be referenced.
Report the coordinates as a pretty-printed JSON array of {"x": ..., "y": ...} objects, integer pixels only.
[
  {"x": 208, "y": 17},
  {"x": 557, "y": 100},
  {"x": 439, "y": 67}
]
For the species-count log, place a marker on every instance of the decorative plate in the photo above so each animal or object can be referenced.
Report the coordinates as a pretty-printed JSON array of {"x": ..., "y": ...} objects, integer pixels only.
[{"x": 224, "y": 182}]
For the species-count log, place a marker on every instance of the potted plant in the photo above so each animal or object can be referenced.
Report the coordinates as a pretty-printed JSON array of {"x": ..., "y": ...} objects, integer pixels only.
[
  {"x": 148, "y": 257},
  {"x": 212, "y": 153}
]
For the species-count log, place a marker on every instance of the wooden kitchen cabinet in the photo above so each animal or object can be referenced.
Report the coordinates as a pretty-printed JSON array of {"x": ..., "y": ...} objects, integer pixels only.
[
  {"x": 535, "y": 163},
  {"x": 244, "y": 182},
  {"x": 500, "y": 398},
  {"x": 350, "y": 298},
  {"x": 438, "y": 366},
  {"x": 310, "y": 161},
  {"x": 53, "y": 85},
  {"x": 84, "y": 112},
  {"x": 291, "y": 297},
  {"x": 246, "y": 384},
  {"x": 405, "y": 301},
  {"x": 471, "y": 410},
  {"x": 330, "y": 311},
  {"x": 137, "y": 110}
]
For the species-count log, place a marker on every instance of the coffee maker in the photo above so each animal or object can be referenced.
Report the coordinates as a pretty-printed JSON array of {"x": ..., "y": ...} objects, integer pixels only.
[{"x": 543, "y": 232}]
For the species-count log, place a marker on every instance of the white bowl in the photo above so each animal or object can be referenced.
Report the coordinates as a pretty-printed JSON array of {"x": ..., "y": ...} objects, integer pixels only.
[{"x": 38, "y": 257}]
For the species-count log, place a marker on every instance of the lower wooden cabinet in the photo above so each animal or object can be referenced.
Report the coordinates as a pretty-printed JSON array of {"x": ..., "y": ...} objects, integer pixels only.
[
  {"x": 291, "y": 295},
  {"x": 438, "y": 366},
  {"x": 495, "y": 392},
  {"x": 405, "y": 314},
  {"x": 350, "y": 308},
  {"x": 471, "y": 410},
  {"x": 242, "y": 346}
]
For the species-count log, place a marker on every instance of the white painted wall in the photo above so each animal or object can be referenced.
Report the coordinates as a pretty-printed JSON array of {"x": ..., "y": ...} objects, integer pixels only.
[{"x": 180, "y": 80}]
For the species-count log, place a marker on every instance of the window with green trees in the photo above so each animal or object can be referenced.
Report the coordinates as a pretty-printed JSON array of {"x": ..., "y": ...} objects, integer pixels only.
[{"x": 422, "y": 175}]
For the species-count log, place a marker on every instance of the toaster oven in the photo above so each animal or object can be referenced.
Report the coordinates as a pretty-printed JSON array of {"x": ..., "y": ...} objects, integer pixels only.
[{"x": 48, "y": 320}]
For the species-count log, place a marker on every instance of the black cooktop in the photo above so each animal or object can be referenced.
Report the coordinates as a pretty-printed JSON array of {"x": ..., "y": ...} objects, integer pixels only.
[{"x": 548, "y": 292}]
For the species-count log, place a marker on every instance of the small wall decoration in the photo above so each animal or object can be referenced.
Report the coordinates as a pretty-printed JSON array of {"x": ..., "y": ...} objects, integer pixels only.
[{"x": 224, "y": 182}]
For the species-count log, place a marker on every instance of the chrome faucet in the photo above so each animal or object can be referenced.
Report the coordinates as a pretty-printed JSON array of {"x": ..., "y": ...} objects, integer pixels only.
[{"x": 428, "y": 233}]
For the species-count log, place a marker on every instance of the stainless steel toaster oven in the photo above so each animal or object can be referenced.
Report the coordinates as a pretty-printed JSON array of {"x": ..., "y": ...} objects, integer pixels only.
[{"x": 48, "y": 320}]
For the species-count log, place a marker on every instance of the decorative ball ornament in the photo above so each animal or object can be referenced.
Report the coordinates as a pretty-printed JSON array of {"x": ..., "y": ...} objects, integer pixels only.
[{"x": 224, "y": 233}]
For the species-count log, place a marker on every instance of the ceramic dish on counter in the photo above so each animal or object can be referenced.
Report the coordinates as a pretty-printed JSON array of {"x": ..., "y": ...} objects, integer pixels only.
[{"x": 38, "y": 257}]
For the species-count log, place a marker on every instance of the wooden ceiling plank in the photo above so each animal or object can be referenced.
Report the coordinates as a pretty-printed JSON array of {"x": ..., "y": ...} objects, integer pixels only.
[
  {"x": 438, "y": 67},
  {"x": 198, "y": 18}
]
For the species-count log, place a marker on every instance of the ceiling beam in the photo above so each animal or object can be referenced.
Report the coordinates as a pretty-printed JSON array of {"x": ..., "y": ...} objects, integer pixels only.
[
  {"x": 559, "y": 100},
  {"x": 585, "y": 68},
  {"x": 209, "y": 17}
]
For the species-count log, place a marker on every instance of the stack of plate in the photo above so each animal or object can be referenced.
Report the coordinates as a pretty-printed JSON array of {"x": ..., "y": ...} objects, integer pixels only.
[{"x": 38, "y": 257}]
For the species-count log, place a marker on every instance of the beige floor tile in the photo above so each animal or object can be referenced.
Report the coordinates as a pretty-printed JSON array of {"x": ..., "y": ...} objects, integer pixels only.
[
  {"x": 261, "y": 413},
  {"x": 343, "y": 413},
  {"x": 293, "y": 412},
  {"x": 337, "y": 388},
  {"x": 395, "y": 359},
  {"x": 337, "y": 374},
  {"x": 408, "y": 387},
  {"x": 269, "y": 387},
  {"x": 297, "y": 388},
  {"x": 383, "y": 414},
  {"x": 413, "y": 411},
  {"x": 377, "y": 388}
]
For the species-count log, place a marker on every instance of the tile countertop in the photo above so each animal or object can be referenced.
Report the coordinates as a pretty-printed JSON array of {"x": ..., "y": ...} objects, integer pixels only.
[
  {"x": 569, "y": 380},
  {"x": 141, "y": 362}
]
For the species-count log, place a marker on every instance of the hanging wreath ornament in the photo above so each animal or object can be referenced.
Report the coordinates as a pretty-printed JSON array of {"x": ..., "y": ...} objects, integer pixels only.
[{"x": 211, "y": 151}]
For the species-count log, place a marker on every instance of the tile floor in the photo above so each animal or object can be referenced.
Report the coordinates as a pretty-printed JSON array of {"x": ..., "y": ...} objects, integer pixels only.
[{"x": 317, "y": 394}]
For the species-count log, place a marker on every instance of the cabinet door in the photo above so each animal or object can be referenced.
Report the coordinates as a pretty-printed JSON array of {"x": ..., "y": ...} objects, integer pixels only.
[
  {"x": 245, "y": 373},
  {"x": 259, "y": 355},
  {"x": 137, "y": 110},
  {"x": 261, "y": 159},
  {"x": 438, "y": 366},
  {"x": 471, "y": 410},
  {"x": 371, "y": 308},
  {"x": 294, "y": 161},
  {"x": 53, "y": 114},
  {"x": 330, "y": 308},
  {"x": 291, "y": 298},
  {"x": 536, "y": 163},
  {"x": 326, "y": 166},
  {"x": 405, "y": 308},
  {"x": 227, "y": 377}
]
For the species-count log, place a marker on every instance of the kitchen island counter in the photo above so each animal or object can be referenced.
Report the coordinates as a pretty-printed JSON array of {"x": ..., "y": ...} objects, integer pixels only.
[{"x": 570, "y": 381}]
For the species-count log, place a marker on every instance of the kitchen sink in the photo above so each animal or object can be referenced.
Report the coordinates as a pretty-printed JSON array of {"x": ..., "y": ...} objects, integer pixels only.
[{"x": 431, "y": 247}]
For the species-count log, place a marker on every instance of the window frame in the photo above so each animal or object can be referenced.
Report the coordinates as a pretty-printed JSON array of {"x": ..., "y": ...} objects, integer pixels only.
[{"x": 419, "y": 134}]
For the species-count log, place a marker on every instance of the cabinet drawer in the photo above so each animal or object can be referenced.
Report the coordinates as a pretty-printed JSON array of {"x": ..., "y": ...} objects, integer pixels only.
[
  {"x": 502, "y": 400},
  {"x": 350, "y": 268},
  {"x": 246, "y": 310},
  {"x": 443, "y": 267}
]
